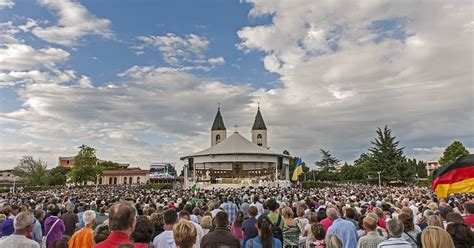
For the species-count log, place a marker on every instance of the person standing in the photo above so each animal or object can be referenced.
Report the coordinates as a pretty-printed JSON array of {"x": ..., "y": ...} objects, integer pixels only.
[
  {"x": 165, "y": 239},
  {"x": 122, "y": 222},
  {"x": 230, "y": 208},
  {"x": 221, "y": 236},
  {"x": 265, "y": 235},
  {"x": 395, "y": 230},
  {"x": 344, "y": 229},
  {"x": 71, "y": 220},
  {"x": 53, "y": 227},
  {"x": 371, "y": 239},
  {"x": 249, "y": 227},
  {"x": 23, "y": 225},
  {"x": 184, "y": 234},
  {"x": 84, "y": 237}
]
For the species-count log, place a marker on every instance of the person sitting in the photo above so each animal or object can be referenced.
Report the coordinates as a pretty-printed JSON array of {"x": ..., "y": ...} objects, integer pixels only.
[
  {"x": 221, "y": 236},
  {"x": 265, "y": 237},
  {"x": 436, "y": 237},
  {"x": 371, "y": 238},
  {"x": 395, "y": 230},
  {"x": 165, "y": 239},
  {"x": 143, "y": 232},
  {"x": 84, "y": 237},
  {"x": 23, "y": 225},
  {"x": 122, "y": 221},
  {"x": 184, "y": 234}
]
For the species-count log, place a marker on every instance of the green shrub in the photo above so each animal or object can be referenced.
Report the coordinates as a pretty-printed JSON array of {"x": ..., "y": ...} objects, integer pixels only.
[{"x": 158, "y": 186}]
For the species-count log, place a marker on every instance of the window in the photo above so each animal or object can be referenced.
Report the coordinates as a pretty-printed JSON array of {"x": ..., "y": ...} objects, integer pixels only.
[
  {"x": 125, "y": 180},
  {"x": 218, "y": 138},
  {"x": 138, "y": 180},
  {"x": 259, "y": 139},
  {"x": 67, "y": 161},
  {"x": 115, "y": 180},
  {"x": 100, "y": 180},
  {"x": 130, "y": 180},
  {"x": 110, "y": 180}
]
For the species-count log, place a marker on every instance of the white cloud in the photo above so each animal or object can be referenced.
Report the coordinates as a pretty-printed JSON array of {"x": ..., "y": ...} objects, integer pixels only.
[
  {"x": 216, "y": 61},
  {"x": 160, "y": 102},
  {"x": 174, "y": 48},
  {"x": 75, "y": 22},
  {"x": 6, "y": 4},
  {"x": 342, "y": 77},
  {"x": 12, "y": 78},
  {"x": 20, "y": 57}
]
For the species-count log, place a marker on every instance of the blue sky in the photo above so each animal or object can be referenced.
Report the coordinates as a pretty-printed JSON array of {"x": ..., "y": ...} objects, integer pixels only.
[{"x": 140, "y": 80}]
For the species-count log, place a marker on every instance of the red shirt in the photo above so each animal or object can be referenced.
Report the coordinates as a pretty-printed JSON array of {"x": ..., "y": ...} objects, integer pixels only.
[
  {"x": 115, "y": 239},
  {"x": 469, "y": 220},
  {"x": 326, "y": 223}
]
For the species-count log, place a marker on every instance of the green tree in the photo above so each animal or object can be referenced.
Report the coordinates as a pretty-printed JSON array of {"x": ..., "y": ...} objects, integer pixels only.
[
  {"x": 387, "y": 157},
  {"x": 328, "y": 162},
  {"x": 108, "y": 165},
  {"x": 453, "y": 152},
  {"x": 32, "y": 172},
  {"x": 85, "y": 165},
  {"x": 58, "y": 175}
]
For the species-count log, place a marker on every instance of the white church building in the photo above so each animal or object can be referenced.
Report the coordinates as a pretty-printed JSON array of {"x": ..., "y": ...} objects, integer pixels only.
[{"x": 235, "y": 159}]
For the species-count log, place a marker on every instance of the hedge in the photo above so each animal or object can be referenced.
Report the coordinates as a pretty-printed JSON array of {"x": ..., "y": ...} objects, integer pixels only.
[{"x": 158, "y": 186}]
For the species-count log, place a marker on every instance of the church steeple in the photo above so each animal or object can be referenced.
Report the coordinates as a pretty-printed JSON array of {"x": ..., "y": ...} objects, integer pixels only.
[
  {"x": 259, "y": 130},
  {"x": 259, "y": 124},
  {"x": 218, "y": 130}
]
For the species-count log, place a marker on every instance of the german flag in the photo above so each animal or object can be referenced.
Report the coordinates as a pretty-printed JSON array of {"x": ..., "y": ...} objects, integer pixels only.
[{"x": 455, "y": 178}]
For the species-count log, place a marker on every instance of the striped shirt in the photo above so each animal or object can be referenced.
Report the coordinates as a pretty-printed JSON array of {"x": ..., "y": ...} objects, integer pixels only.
[
  {"x": 371, "y": 240},
  {"x": 394, "y": 242}
]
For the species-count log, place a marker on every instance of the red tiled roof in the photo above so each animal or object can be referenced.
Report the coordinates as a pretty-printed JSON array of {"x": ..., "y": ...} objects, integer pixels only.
[{"x": 125, "y": 172}]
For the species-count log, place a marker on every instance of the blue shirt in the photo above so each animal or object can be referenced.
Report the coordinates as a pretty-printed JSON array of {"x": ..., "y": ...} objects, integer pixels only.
[
  {"x": 257, "y": 243},
  {"x": 37, "y": 233},
  {"x": 8, "y": 228},
  {"x": 231, "y": 209},
  {"x": 346, "y": 231}
]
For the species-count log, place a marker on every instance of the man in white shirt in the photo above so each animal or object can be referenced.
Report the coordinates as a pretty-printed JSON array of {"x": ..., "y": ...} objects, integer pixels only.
[
  {"x": 23, "y": 225},
  {"x": 395, "y": 230},
  {"x": 166, "y": 239},
  {"x": 258, "y": 205}
]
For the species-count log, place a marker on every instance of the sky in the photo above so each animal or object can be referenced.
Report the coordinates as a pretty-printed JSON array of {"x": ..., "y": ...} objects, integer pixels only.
[{"x": 140, "y": 80}]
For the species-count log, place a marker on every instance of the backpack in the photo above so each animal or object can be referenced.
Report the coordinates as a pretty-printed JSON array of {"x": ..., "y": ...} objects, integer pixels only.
[{"x": 276, "y": 230}]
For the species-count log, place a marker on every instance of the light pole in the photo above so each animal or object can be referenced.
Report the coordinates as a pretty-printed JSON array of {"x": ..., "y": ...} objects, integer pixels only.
[
  {"x": 97, "y": 182},
  {"x": 14, "y": 182},
  {"x": 380, "y": 182}
]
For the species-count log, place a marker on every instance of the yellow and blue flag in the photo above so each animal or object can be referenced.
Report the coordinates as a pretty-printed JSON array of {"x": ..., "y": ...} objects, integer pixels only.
[{"x": 298, "y": 170}]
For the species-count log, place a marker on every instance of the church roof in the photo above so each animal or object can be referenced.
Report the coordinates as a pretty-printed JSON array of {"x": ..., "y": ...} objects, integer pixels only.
[
  {"x": 259, "y": 124},
  {"x": 235, "y": 144},
  {"x": 218, "y": 121}
]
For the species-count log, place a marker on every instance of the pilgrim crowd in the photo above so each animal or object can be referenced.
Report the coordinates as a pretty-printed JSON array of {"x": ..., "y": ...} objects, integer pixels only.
[{"x": 349, "y": 216}]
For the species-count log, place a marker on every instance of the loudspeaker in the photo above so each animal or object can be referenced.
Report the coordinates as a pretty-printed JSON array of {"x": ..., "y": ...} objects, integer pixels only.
[
  {"x": 191, "y": 164},
  {"x": 280, "y": 163}
]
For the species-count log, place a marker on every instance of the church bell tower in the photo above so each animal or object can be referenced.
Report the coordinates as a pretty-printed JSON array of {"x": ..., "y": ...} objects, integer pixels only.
[
  {"x": 259, "y": 130},
  {"x": 218, "y": 131}
]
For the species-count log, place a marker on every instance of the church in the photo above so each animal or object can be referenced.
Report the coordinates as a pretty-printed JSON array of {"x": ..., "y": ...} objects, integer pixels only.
[{"x": 235, "y": 159}]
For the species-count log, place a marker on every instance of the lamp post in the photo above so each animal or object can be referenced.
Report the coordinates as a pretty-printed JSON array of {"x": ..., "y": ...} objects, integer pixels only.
[
  {"x": 380, "y": 182},
  {"x": 14, "y": 182},
  {"x": 97, "y": 182}
]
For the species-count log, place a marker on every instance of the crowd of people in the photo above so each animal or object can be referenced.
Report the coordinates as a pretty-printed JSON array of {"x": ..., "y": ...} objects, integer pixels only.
[{"x": 349, "y": 216}]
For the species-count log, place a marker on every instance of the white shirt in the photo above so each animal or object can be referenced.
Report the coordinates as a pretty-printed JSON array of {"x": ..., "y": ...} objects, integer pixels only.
[
  {"x": 18, "y": 241},
  {"x": 259, "y": 207},
  {"x": 164, "y": 240},
  {"x": 199, "y": 235},
  {"x": 214, "y": 212}
]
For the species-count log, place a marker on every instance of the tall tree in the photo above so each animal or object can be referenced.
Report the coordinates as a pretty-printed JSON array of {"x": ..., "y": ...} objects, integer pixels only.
[
  {"x": 453, "y": 152},
  {"x": 58, "y": 175},
  {"x": 32, "y": 172},
  {"x": 85, "y": 165},
  {"x": 386, "y": 157},
  {"x": 328, "y": 162}
]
